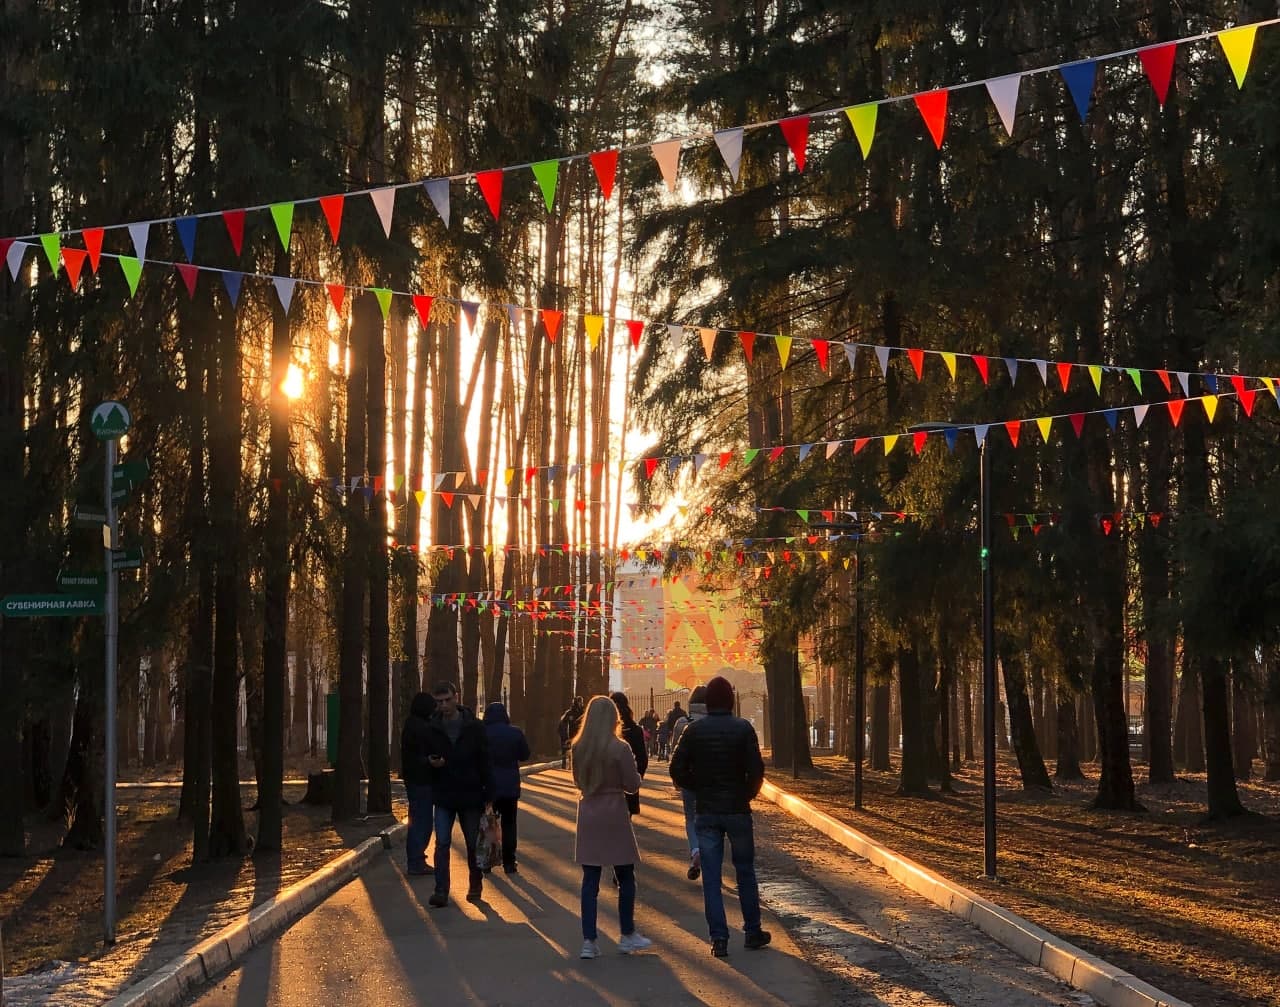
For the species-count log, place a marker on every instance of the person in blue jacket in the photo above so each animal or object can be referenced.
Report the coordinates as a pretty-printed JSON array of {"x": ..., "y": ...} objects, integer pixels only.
[{"x": 508, "y": 747}]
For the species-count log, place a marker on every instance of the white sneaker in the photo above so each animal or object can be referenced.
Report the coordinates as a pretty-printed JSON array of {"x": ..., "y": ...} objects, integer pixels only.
[
  {"x": 589, "y": 950},
  {"x": 633, "y": 942}
]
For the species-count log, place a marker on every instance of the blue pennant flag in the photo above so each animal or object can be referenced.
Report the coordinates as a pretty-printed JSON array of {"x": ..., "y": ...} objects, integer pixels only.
[
  {"x": 187, "y": 235},
  {"x": 1080, "y": 77},
  {"x": 1111, "y": 415},
  {"x": 950, "y": 435},
  {"x": 1012, "y": 364},
  {"x": 1211, "y": 383},
  {"x": 232, "y": 280}
]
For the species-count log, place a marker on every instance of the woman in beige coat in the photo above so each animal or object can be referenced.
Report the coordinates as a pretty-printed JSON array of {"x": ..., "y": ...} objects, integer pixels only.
[{"x": 604, "y": 769}]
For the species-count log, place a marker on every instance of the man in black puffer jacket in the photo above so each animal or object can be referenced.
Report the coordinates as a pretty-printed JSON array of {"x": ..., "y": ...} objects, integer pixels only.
[
  {"x": 415, "y": 770},
  {"x": 718, "y": 758}
]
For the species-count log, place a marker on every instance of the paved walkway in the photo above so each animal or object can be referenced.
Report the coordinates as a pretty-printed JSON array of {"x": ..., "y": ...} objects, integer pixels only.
[{"x": 844, "y": 933}]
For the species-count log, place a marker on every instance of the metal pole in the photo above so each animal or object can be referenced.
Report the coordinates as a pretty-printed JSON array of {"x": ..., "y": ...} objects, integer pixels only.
[
  {"x": 988, "y": 667},
  {"x": 112, "y": 541},
  {"x": 859, "y": 678}
]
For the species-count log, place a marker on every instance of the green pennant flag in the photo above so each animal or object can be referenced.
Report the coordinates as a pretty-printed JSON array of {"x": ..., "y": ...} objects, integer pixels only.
[
  {"x": 750, "y": 455},
  {"x": 547, "y": 172},
  {"x": 555, "y": 505},
  {"x": 863, "y": 120},
  {"x": 53, "y": 249},
  {"x": 282, "y": 214},
  {"x": 1135, "y": 376},
  {"x": 804, "y": 515},
  {"x": 132, "y": 269},
  {"x": 384, "y": 300}
]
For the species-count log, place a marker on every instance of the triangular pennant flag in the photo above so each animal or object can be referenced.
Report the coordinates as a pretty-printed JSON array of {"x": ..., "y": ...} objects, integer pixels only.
[
  {"x": 708, "y": 337},
  {"x": 605, "y": 165},
  {"x": 1014, "y": 428},
  {"x": 1011, "y": 365},
  {"x": 851, "y": 354},
  {"x": 1175, "y": 409},
  {"x": 282, "y": 214},
  {"x": 1135, "y": 376},
  {"x": 636, "y": 328},
  {"x": 750, "y": 455},
  {"x": 822, "y": 348},
  {"x": 667, "y": 154},
  {"x": 1183, "y": 377},
  {"x": 832, "y": 448},
  {"x": 1077, "y": 423},
  {"x": 1004, "y": 95},
  {"x": 859, "y": 443},
  {"x": 1044, "y": 423},
  {"x": 933, "y": 109},
  {"x": 776, "y": 453},
  {"x": 420, "y": 496},
  {"x": 132, "y": 270},
  {"x": 863, "y": 120},
  {"x": 729, "y": 142},
  {"x": 189, "y": 274},
  {"x": 650, "y": 467},
  {"x": 1095, "y": 372},
  {"x": 748, "y": 343},
  {"x": 234, "y": 220},
  {"x": 1111, "y": 416},
  {"x": 675, "y": 337},
  {"x": 337, "y": 295},
  {"x": 490, "y": 183},
  {"x": 1237, "y": 46},
  {"x": 950, "y": 435},
  {"x": 594, "y": 324},
  {"x": 232, "y": 282},
  {"x": 422, "y": 305},
  {"x": 284, "y": 290},
  {"x": 796, "y": 132},
  {"x": 448, "y": 499},
  {"x": 1164, "y": 380},
  {"x": 1140, "y": 414},
  {"x": 138, "y": 234},
  {"x": 783, "y": 343},
  {"x": 93, "y": 242},
  {"x": 1079, "y": 78},
  {"x": 1210, "y": 382},
  {"x": 882, "y": 355},
  {"x": 331, "y": 207},
  {"x": 950, "y": 360},
  {"x": 1210, "y": 403},
  {"x": 384, "y": 201},
  {"x": 1157, "y": 61},
  {"x": 468, "y": 310},
  {"x": 1247, "y": 396},
  {"x": 547, "y": 173},
  {"x": 438, "y": 191},
  {"x": 384, "y": 300},
  {"x": 551, "y": 322},
  {"x": 186, "y": 228},
  {"x": 1271, "y": 387},
  {"x": 1064, "y": 373},
  {"x": 73, "y": 259},
  {"x": 1043, "y": 367},
  {"x": 980, "y": 433},
  {"x": 983, "y": 366},
  {"x": 513, "y": 317},
  {"x": 889, "y": 442},
  {"x": 52, "y": 244},
  {"x": 918, "y": 440}
]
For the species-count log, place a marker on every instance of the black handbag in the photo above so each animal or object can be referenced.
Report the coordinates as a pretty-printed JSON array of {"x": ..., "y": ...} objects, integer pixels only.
[{"x": 633, "y": 803}]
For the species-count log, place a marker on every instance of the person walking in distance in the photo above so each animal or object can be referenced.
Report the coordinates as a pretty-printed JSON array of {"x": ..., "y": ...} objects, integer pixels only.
[
  {"x": 461, "y": 782},
  {"x": 719, "y": 759},
  {"x": 697, "y": 710},
  {"x": 604, "y": 770},
  {"x": 649, "y": 724},
  {"x": 508, "y": 747},
  {"x": 570, "y": 721},
  {"x": 632, "y": 733},
  {"x": 415, "y": 770}
]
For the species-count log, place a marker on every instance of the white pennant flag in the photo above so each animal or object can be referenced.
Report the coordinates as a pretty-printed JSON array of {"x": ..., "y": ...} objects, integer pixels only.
[
  {"x": 667, "y": 154},
  {"x": 17, "y": 252},
  {"x": 1182, "y": 380},
  {"x": 138, "y": 233},
  {"x": 675, "y": 336},
  {"x": 284, "y": 290},
  {"x": 438, "y": 190},
  {"x": 1140, "y": 414},
  {"x": 698, "y": 461},
  {"x": 980, "y": 433},
  {"x": 440, "y": 478},
  {"x": 730, "y": 143},
  {"x": 851, "y": 354},
  {"x": 833, "y": 447},
  {"x": 384, "y": 201},
  {"x": 1004, "y": 95},
  {"x": 1043, "y": 367},
  {"x": 882, "y": 355}
]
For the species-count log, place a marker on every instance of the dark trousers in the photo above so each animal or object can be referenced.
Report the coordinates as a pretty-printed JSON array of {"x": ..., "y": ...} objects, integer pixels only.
[
  {"x": 422, "y": 815},
  {"x": 506, "y": 807},
  {"x": 469, "y": 819}
]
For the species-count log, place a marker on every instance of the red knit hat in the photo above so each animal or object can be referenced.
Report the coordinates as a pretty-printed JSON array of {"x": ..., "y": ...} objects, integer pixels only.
[{"x": 719, "y": 694}]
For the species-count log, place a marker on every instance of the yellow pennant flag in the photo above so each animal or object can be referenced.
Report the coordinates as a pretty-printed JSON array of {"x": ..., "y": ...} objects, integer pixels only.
[
  {"x": 1271, "y": 387},
  {"x": 1237, "y": 44},
  {"x": 846, "y": 562},
  {"x": 708, "y": 340},
  {"x": 508, "y": 475},
  {"x": 826, "y": 555},
  {"x": 1095, "y": 372},
  {"x": 950, "y": 360},
  {"x": 1044, "y": 423},
  {"x": 889, "y": 442},
  {"x": 863, "y": 120},
  {"x": 784, "y": 349},
  {"x": 420, "y": 496},
  {"x": 594, "y": 325},
  {"x": 1210, "y": 403}
]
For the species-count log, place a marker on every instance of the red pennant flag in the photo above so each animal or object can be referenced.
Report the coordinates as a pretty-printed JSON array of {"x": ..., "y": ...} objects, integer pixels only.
[
  {"x": 422, "y": 304},
  {"x": 917, "y": 362},
  {"x": 983, "y": 366},
  {"x": 933, "y": 109},
  {"x": 377, "y": 483},
  {"x": 1156, "y": 517},
  {"x": 748, "y": 343},
  {"x": 859, "y": 443},
  {"x": 551, "y": 322},
  {"x": 188, "y": 273},
  {"x": 580, "y": 505},
  {"x": 529, "y": 473},
  {"x": 337, "y": 295},
  {"x": 5, "y": 245},
  {"x": 725, "y": 458},
  {"x": 1157, "y": 61},
  {"x": 1064, "y": 374},
  {"x": 776, "y": 453},
  {"x": 93, "y": 242},
  {"x": 650, "y": 467},
  {"x": 918, "y": 440},
  {"x": 1247, "y": 396},
  {"x": 1106, "y": 526},
  {"x": 234, "y": 219},
  {"x": 605, "y": 163},
  {"x": 73, "y": 259},
  {"x": 1164, "y": 380},
  {"x": 490, "y": 183},
  {"x": 796, "y": 132},
  {"x": 1077, "y": 423},
  {"x": 822, "y": 348},
  {"x": 636, "y": 328},
  {"x": 1015, "y": 428},
  {"x": 448, "y": 502},
  {"x": 332, "y": 207},
  {"x": 481, "y": 476},
  {"x": 1175, "y": 409}
]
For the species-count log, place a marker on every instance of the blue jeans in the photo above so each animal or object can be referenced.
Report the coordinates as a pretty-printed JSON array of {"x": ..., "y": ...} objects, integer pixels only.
[
  {"x": 712, "y": 830},
  {"x": 469, "y": 818},
  {"x": 690, "y": 830},
  {"x": 626, "y": 899},
  {"x": 422, "y": 815}
]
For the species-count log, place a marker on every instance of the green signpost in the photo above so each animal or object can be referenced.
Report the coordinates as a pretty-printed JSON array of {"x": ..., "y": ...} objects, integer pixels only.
[
  {"x": 126, "y": 559},
  {"x": 27, "y": 606},
  {"x": 88, "y": 516}
]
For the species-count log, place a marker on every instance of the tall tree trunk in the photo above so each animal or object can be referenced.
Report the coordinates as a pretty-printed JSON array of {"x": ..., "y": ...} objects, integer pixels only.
[
  {"x": 1271, "y": 715},
  {"x": 1224, "y": 799},
  {"x": 1030, "y": 762},
  {"x": 914, "y": 776},
  {"x": 379, "y": 798},
  {"x": 1244, "y": 744},
  {"x": 1068, "y": 767},
  {"x": 880, "y": 719}
]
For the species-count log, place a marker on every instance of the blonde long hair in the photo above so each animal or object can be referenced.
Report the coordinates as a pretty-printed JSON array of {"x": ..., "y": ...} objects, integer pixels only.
[{"x": 601, "y": 729}]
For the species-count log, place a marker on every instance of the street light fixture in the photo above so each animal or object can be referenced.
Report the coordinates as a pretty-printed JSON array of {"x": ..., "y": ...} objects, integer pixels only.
[{"x": 988, "y": 645}]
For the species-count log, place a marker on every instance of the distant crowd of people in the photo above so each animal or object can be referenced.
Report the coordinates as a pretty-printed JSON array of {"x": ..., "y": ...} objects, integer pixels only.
[{"x": 456, "y": 767}]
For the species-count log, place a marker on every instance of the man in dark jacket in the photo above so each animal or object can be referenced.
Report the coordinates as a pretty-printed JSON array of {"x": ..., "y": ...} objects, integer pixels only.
[
  {"x": 508, "y": 747},
  {"x": 718, "y": 758},
  {"x": 415, "y": 770},
  {"x": 570, "y": 721},
  {"x": 460, "y": 782}
]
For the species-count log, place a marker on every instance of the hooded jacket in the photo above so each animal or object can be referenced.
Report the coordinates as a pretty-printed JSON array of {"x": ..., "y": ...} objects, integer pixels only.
[
  {"x": 465, "y": 780},
  {"x": 508, "y": 747},
  {"x": 414, "y": 743}
]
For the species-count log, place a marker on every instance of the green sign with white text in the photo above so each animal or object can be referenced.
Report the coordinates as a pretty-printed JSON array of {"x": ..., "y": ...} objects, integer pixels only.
[{"x": 20, "y": 606}]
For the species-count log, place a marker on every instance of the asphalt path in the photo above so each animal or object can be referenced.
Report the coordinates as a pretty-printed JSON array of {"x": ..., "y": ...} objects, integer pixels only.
[{"x": 844, "y": 934}]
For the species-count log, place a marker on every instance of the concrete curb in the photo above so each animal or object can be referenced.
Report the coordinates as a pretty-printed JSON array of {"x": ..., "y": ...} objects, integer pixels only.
[
  {"x": 214, "y": 955},
  {"x": 1104, "y": 982}
]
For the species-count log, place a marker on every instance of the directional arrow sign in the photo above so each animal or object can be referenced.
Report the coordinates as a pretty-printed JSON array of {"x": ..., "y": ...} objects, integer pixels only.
[
  {"x": 125, "y": 477},
  {"x": 23, "y": 606},
  {"x": 126, "y": 559},
  {"x": 88, "y": 515},
  {"x": 110, "y": 421},
  {"x": 83, "y": 581}
]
